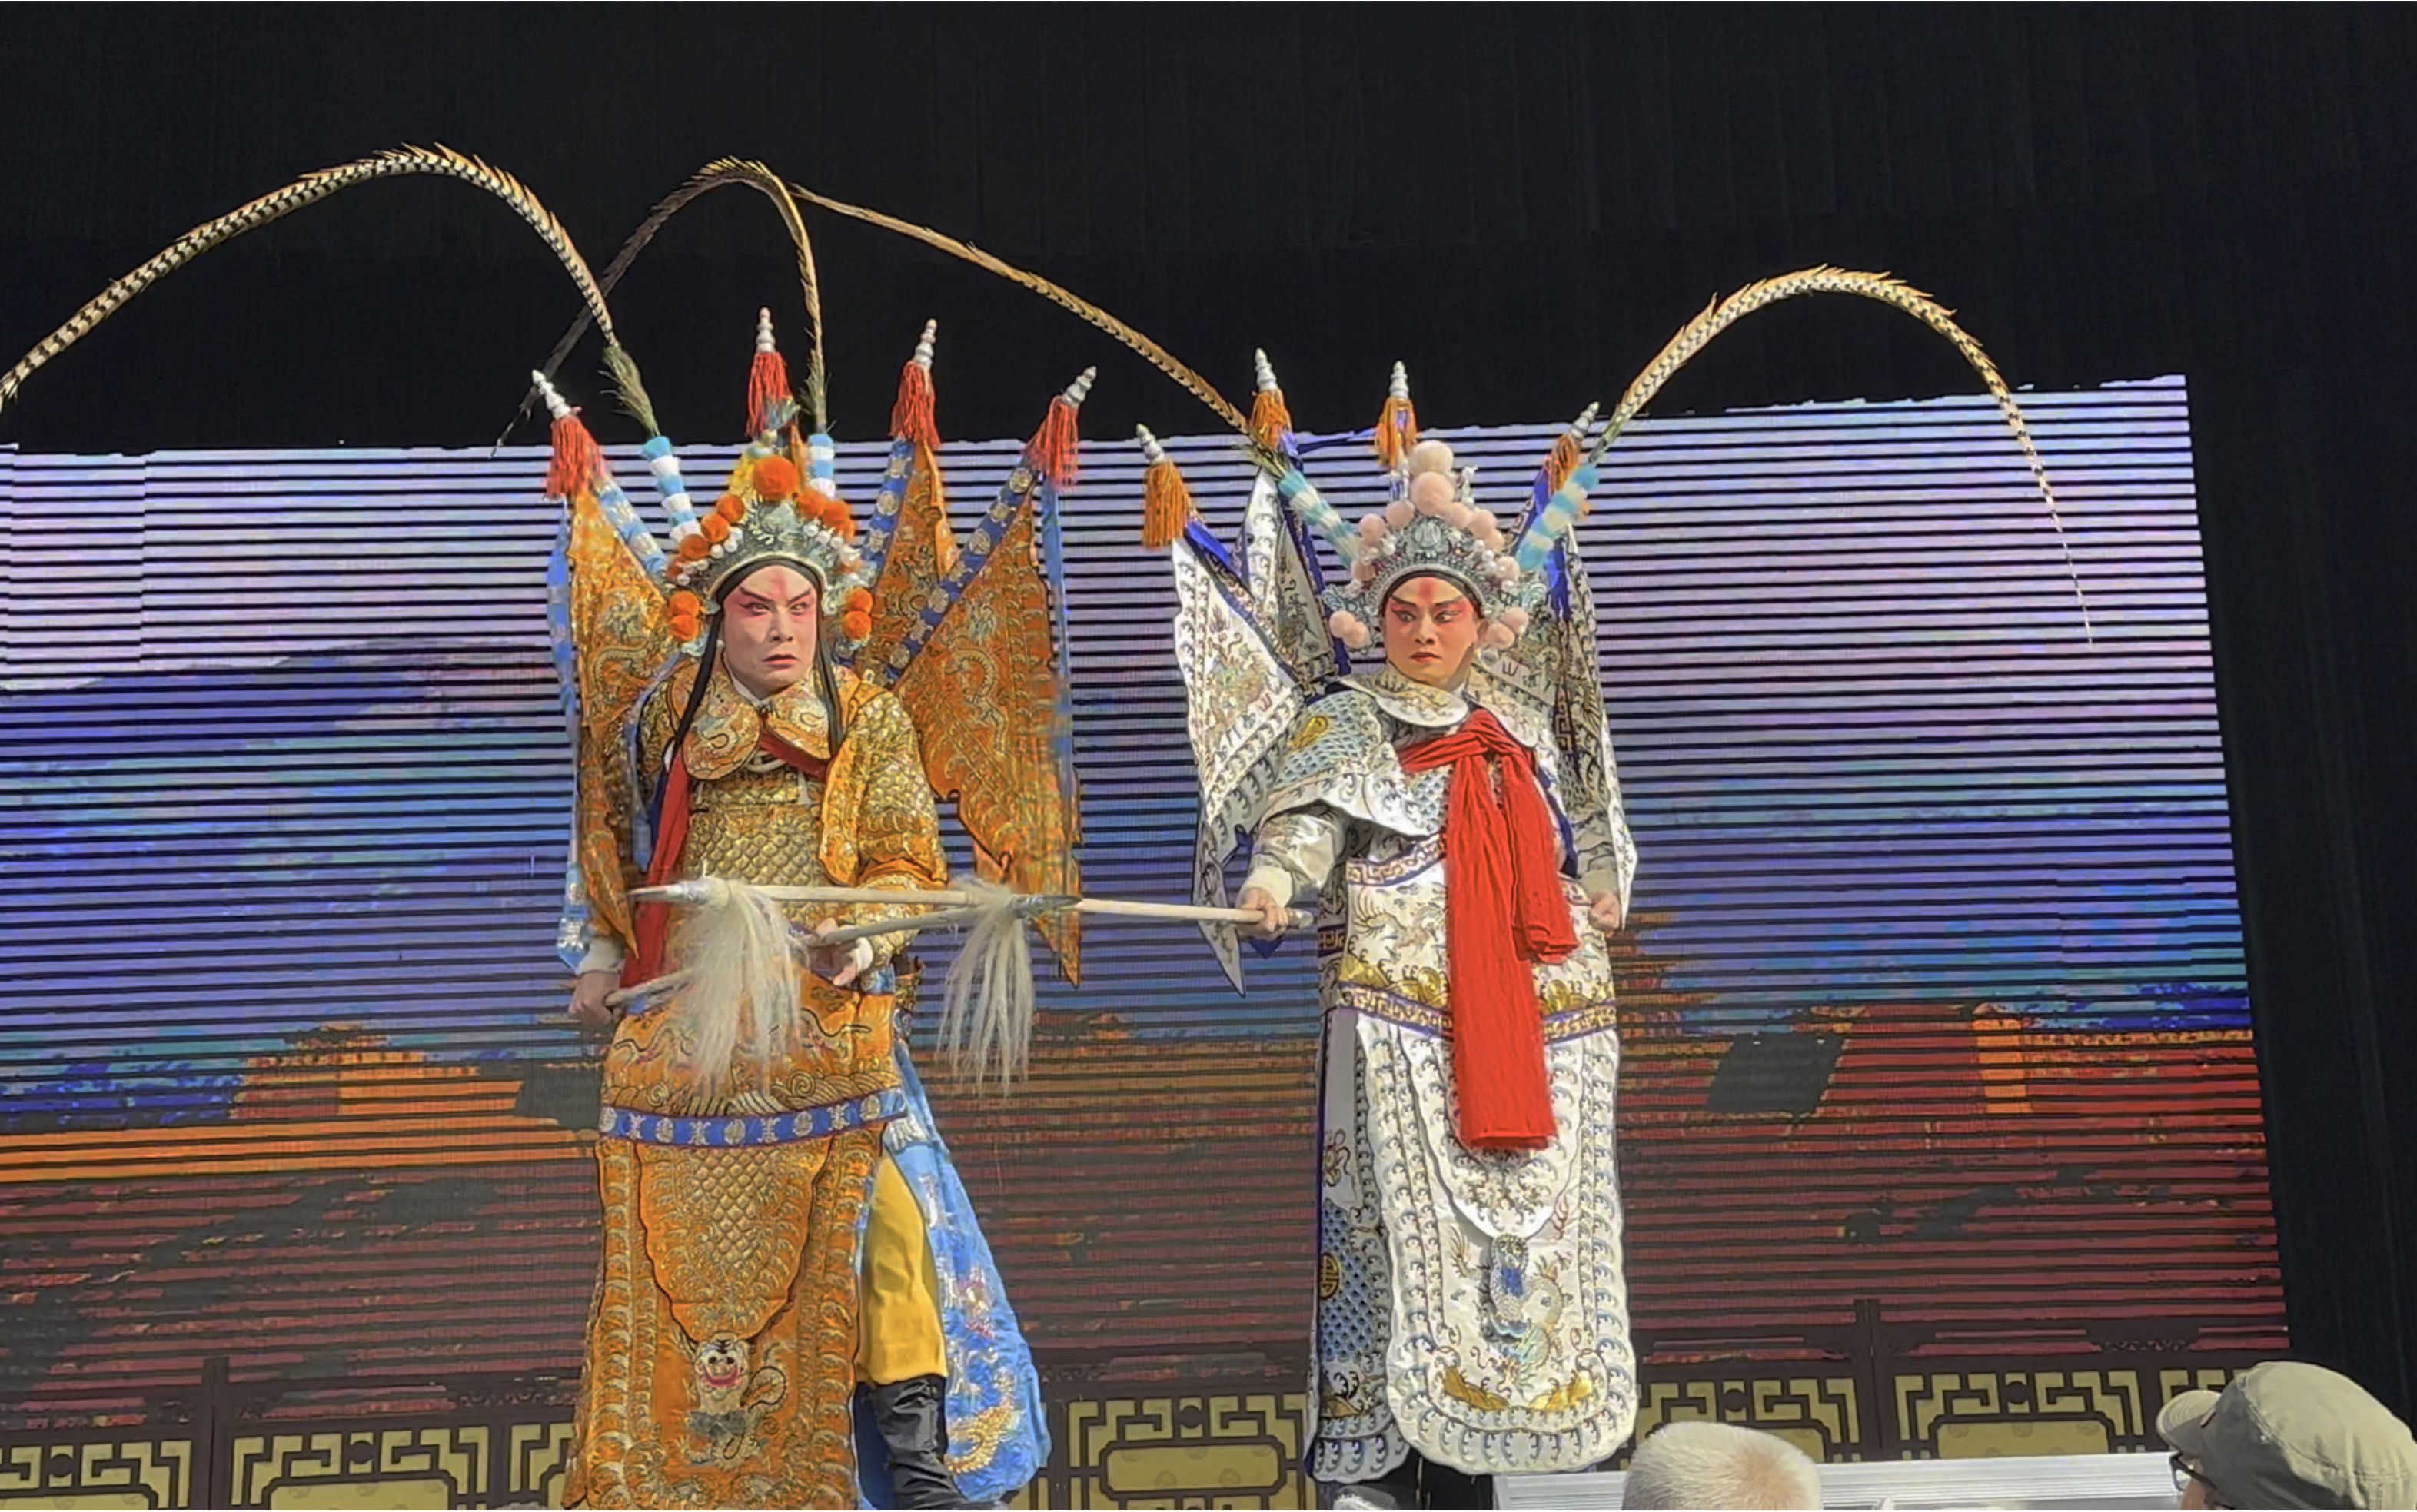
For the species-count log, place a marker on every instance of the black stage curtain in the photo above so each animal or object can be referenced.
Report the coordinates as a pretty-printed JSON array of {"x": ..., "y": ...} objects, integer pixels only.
[{"x": 1519, "y": 202}]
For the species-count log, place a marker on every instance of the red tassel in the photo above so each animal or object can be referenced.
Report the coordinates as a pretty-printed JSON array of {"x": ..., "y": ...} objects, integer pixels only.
[
  {"x": 911, "y": 419},
  {"x": 767, "y": 383},
  {"x": 1270, "y": 418},
  {"x": 1053, "y": 448},
  {"x": 575, "y": 458}
]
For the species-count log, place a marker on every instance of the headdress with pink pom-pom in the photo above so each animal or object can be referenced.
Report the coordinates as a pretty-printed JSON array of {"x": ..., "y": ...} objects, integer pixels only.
[{"x": 1431, "y": 527}]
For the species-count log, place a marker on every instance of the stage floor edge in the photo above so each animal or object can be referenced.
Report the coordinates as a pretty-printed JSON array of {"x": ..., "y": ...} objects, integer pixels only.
[{"x": 2047, "y": 1481}]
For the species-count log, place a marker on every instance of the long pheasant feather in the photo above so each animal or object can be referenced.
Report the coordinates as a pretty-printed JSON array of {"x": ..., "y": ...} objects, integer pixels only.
[
  {"x": 395, "y": 162},
  {"x": 1721, "y": 314},
  {"x": 714, "y": 175},
  {"x": 1157, "y": 356}
]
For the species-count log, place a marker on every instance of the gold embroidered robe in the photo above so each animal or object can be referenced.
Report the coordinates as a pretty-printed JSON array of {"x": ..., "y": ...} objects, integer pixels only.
[{"x": 723, "y": 1338}]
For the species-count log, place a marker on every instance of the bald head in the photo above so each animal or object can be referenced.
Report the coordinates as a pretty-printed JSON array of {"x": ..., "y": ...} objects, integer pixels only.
[{"x": 1720, "y": 1465}]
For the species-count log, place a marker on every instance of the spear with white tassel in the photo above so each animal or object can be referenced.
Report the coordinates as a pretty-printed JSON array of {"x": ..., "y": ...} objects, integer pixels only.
[
  {"x": 987, "y": 1008},
  {"x": 708, "y": 892}
]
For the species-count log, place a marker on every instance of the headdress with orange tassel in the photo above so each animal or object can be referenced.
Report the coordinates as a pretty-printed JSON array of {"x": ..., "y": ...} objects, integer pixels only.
[{"x": 769, "y": 512}]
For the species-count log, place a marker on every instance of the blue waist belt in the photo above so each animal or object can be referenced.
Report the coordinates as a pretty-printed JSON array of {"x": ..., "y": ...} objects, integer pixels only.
[{"x": 729, "y": 1132}]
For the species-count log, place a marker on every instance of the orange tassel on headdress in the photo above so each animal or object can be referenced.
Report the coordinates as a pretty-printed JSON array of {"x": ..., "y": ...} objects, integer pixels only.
[
  {"x": 1271, "y": 418},
  {"x": 575, "y": 458},
  {"x": 768, "y": 378},
  {"x": 1397, "y": 424},
  {"x": 1563, "y": 460},
  {"x": 911, "y": 417},
  {"x": 1270, "y": 421},
  {"x": 1053, "y": 449},
  {"x": 1166, "y": 499}
]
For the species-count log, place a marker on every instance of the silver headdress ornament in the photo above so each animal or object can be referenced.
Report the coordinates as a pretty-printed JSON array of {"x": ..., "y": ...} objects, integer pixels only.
[
  {"x": 773, "y": 529},
  {"x": 1434, "y": 530}
]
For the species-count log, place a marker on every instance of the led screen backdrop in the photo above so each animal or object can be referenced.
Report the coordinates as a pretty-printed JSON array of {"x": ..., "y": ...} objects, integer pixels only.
[{"x": 1940, "y": 1121}]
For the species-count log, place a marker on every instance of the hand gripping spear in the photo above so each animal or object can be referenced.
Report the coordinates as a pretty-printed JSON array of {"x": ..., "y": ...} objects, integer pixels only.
[{"x": 987, "y": 1008}]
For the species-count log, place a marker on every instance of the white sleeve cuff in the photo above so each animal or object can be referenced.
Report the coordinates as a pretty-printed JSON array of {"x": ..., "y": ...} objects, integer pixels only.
[
  {"x": 1273, "y": 878},
  {"x": 603, "y": 954}
]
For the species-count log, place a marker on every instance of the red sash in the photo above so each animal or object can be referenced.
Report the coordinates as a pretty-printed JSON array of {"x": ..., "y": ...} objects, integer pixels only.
[
  {"x": 1503, "y": 912},
  {"x": 651, "y": 920}
]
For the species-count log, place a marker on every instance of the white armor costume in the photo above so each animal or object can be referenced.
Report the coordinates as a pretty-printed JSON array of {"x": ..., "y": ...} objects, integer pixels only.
[{"x": 1470, "y": 1304}]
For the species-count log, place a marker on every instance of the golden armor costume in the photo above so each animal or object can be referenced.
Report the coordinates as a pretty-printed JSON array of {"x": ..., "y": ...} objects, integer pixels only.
[
  {"x": 724, "y": 1350},
  {"x": 781, "y": 1224}
]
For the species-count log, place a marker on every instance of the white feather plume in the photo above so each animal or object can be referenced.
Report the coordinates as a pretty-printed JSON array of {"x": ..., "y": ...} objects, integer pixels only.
[
  {"x": 736, "y": 948},
  {"x": 986, "y": 1012}
]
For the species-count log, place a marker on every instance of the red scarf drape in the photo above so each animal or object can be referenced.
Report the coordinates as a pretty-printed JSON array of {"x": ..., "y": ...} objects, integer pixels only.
[
  {"x": 651, "y": 920},
  {"x": 1503, "y": 912}
]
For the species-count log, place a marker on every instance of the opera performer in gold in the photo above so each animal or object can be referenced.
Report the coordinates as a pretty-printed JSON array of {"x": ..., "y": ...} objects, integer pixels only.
[
  {"x": 781, "y": 1226},
  {"x": 780, "y": 1218}
]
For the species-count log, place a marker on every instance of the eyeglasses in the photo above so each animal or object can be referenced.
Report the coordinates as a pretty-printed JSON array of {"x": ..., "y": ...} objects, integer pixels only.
[{"x": 2184, "y": 1474}]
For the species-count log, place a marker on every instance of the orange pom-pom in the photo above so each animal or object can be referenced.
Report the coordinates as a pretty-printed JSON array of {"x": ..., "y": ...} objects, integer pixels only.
[
  {"x": 841, "y": 522},
  {"x": 860, "y": 601},
  {"x": 776, "y": 479},
  {"x": 731, "y": 507},
  {"x": 693, "y": 548},
  {"x": 684, "y": 612},
  {"x": 855, "y": 625},
  {"x": 713, "y": 529}
]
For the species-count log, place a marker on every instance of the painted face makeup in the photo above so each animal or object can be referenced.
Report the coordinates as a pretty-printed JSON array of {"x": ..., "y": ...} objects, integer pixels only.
[
  {"x": 770, "y": 623},
  {"x": 1431, "y": 626}
]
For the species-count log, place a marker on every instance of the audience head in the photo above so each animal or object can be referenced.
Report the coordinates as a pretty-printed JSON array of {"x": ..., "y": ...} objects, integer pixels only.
[
  {"x": 1720, "y": 1465},
  {"x": 2293, "y": 1435}
]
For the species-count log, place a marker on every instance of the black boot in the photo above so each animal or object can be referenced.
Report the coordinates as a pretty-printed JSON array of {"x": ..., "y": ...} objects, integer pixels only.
[
  {"x": 1417, "y": 1484},
  {"x": 1397, "y": 1488},
  {"x": 1442, "y": 1489},
  {"x": 912, "y": 1418}
]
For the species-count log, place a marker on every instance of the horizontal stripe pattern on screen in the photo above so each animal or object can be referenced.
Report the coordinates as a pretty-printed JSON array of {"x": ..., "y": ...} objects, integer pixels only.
[{"x": 1937, "y": 965}]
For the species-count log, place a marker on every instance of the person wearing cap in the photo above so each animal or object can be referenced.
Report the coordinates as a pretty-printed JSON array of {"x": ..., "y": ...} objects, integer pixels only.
[{"x": 2286, "y": 1434}]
